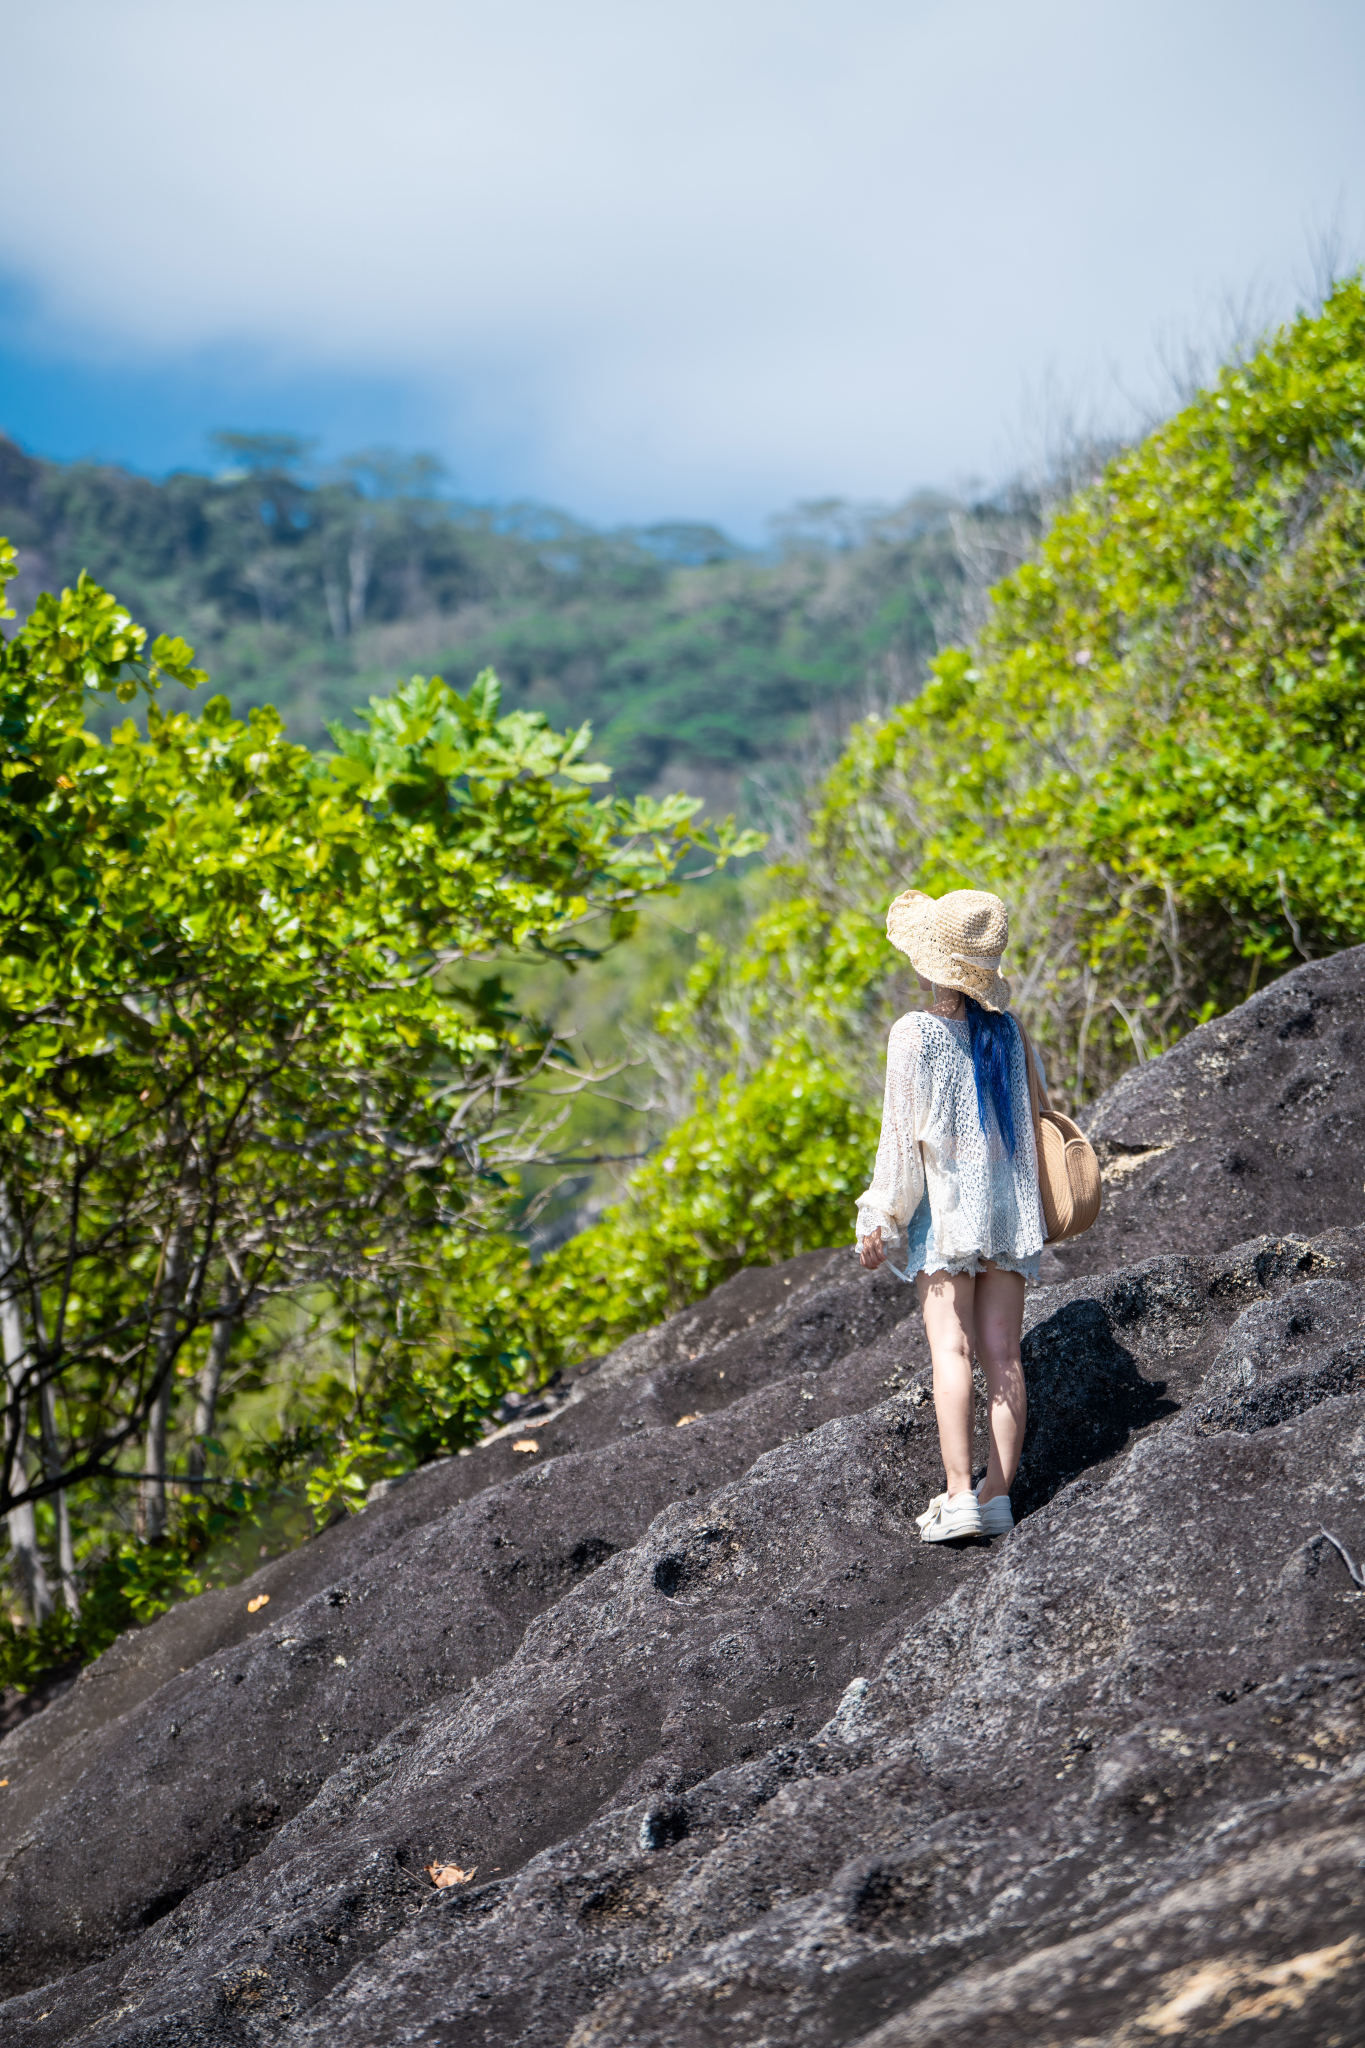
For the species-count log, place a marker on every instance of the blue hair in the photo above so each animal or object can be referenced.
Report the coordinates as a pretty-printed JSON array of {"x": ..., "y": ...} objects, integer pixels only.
[{"x": 991, "y": 1034}]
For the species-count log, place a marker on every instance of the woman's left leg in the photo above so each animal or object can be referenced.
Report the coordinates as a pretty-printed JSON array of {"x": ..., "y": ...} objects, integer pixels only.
[{"x": 999, "y": 1309}]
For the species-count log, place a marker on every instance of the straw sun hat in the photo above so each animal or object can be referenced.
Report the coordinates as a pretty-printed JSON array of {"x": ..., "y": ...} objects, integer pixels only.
[{"x": 955, "y": 942}]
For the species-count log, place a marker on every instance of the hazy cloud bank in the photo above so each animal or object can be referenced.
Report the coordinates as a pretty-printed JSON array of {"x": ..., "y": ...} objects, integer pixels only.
[{"x": 644, "y": 259}]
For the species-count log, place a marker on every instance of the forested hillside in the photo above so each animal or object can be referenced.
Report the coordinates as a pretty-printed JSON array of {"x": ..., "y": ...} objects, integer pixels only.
[
  {"x": 698, "y": 664},
  {"x": 1147, "y": 740},
  {"x": 1151, "y": 749},
  {"x": 689, "y": 655}
]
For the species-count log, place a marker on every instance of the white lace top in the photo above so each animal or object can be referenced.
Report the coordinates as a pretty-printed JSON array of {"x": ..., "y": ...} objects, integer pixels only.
[{"x": 981, "y": 1204}]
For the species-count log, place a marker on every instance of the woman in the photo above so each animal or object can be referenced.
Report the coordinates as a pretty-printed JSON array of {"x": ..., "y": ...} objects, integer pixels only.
[{"x": 958, "y": 1173}]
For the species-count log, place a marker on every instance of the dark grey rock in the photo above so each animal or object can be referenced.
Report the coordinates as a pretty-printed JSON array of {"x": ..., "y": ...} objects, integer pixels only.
[
  {"x": 732, "y": 1755},
  {"x": 1253, "y": 1125}
]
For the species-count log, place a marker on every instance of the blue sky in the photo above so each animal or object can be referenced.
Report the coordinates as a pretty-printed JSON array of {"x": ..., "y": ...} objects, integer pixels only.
[{"x": 645, "y": 260}]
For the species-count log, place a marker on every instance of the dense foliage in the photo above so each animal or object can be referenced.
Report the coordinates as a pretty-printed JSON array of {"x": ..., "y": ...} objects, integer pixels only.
[
  {"x": 685, "y": 652},
  {"x": 1151, "y": 751},
  {"x": 763, "y": 1169},
  {"x": 254, "y": 1050}
]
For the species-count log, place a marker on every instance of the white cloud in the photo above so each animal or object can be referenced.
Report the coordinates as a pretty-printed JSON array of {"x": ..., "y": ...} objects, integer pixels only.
[{"x": 664, "y": 257}]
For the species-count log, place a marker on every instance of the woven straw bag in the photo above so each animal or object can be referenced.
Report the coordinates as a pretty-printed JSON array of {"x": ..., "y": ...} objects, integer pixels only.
[{"x": 1068, "y": 1171}]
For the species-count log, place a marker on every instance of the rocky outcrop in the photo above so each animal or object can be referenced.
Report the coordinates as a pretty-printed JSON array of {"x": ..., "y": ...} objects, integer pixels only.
[
  {"x": 728, "y": 1754},
  {"x": 1254, "y": 1123}
]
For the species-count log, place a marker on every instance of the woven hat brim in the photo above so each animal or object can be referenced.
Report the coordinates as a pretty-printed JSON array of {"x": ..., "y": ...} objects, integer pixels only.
[{"x": 909, "y": 926}]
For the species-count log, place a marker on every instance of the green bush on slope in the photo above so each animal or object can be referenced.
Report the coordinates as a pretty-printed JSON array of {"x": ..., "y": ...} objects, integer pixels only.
[
  {"x": 1151, "y": 752},
  {"x": 763, "y": 1170}
]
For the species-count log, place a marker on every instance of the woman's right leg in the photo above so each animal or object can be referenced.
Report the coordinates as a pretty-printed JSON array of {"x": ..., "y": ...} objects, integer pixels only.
[{"x": 947, "y": 1300}]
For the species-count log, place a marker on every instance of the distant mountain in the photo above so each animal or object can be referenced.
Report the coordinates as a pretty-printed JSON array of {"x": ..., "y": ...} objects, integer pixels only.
[{"x": 695, "y": 659}]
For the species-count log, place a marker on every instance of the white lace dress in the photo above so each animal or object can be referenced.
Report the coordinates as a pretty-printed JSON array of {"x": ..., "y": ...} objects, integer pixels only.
[{"x": 941, "y": 1182}]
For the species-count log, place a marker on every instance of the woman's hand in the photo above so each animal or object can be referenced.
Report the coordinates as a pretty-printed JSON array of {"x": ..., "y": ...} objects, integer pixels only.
[{"x": 870, "y": 1250}]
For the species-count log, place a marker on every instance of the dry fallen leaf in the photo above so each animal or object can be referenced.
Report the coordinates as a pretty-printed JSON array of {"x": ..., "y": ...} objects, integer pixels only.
[
  {"x": 443, "y": 1874},
  {"x": 4, "y": 1781},
  {"x": 526, "y": 1443},
  {"x": 683, "y": 1420},
  {"x": 255, "y": 1606}
]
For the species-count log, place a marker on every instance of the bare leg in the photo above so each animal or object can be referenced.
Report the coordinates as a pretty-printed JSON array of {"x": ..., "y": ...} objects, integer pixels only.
[
  {"x": 999, "y": 1307},
  {"x": 949, "y": 1322}
]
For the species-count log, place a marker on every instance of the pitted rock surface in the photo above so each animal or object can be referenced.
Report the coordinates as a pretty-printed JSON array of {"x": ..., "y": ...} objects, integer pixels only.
[
  {"x": 732, "y": 1756},
  {"x": 1253, "y": 1125}
]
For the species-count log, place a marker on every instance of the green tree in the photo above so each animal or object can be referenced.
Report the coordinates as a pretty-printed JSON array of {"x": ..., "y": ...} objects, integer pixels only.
[{"x": 252, "y": 1039}]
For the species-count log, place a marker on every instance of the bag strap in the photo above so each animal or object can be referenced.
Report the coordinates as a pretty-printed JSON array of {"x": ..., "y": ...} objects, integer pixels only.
[{"x": 1034, "y": 1086}]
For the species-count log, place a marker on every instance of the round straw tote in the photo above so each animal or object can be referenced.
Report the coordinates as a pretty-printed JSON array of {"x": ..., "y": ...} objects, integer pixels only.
[{"x": 1068, "y": 1171}]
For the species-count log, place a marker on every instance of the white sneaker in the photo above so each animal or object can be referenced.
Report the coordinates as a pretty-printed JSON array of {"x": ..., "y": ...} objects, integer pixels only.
[
  {"x": 945, "y": 1520},
  {"x": 997, "y": 1516}
]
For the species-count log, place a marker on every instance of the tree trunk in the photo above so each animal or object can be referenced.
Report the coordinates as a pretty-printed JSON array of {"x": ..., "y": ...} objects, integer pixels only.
[
  {"x": 360, "y": 579},
  {"x": 66, "y": 1555},
  {"x": 52, "y": 1461},
  {"x": 210, "y": 1378},
  {"x": 151, "y": 1516},
  {"x": 336, "y": 606},
  {"x": 26, "y": 1562},
  {"x": 152, "y": 1496}
]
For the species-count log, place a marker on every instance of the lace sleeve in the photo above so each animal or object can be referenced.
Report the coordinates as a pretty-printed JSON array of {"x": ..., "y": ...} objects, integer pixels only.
[{"x": 898, "y": 1178}]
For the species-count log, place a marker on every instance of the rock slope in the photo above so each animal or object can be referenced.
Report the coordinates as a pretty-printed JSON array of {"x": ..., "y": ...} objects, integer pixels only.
[
  {"x": 1255, "y": 1122},
  {"x": 732, "y": 1757}
]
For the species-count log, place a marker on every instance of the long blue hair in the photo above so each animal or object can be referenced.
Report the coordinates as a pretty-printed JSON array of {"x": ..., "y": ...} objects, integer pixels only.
[{"x": 991, "y": 1034}]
